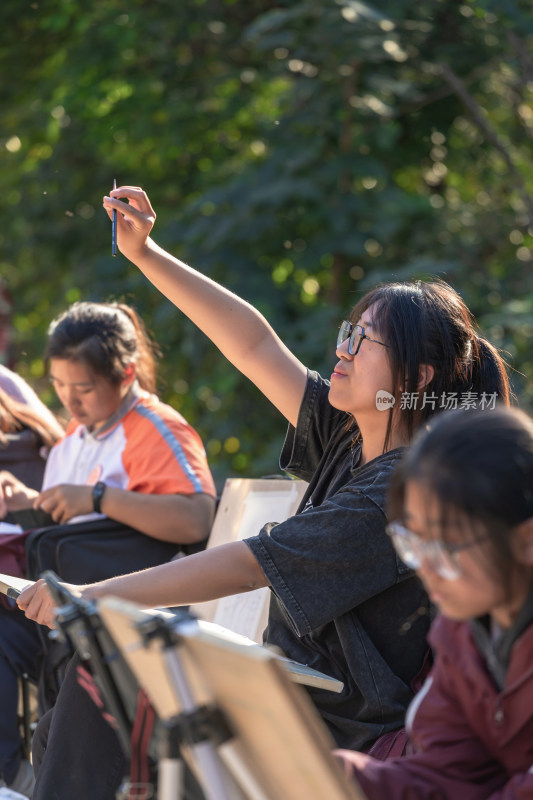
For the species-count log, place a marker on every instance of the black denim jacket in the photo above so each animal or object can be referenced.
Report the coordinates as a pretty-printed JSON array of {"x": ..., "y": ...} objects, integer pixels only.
[{"x": 342, "y": 602}]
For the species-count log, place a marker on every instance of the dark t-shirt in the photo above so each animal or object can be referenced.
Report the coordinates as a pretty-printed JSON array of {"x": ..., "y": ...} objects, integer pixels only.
[{"x": 342, "y": 602}]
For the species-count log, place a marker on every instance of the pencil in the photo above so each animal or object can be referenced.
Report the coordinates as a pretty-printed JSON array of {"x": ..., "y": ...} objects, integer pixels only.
[{"x": 114, "y": 226}]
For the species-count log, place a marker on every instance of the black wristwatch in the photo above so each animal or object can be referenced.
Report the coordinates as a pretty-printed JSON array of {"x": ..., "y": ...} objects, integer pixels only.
[{"x": 98, "y": 492}]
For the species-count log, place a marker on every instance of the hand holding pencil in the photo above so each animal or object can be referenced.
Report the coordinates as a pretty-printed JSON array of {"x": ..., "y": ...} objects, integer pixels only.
[{"x": 131, "y": 221}]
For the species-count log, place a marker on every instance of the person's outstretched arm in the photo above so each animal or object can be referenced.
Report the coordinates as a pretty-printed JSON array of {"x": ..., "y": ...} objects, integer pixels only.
[
  {"x": 225, "y": 570},
  {"x": 240, "y": 332}
]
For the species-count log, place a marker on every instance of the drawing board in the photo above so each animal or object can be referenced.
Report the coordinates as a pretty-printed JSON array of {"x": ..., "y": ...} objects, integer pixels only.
[
  {"x": 245, "y": 506},
  {"x": 279, "y": 737}
]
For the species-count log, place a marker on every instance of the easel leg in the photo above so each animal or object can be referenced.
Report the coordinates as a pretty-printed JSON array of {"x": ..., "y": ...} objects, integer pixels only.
[
  {"x": 170, "y": 779},
  {"x": 210, "y": 771}
]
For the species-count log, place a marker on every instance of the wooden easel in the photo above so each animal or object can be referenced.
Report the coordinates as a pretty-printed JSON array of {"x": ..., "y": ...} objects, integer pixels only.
[{"x": 279, "y": 746}]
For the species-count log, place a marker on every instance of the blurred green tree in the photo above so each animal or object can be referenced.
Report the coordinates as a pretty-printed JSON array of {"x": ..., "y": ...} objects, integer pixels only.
[{"x": 299, "y": 151}]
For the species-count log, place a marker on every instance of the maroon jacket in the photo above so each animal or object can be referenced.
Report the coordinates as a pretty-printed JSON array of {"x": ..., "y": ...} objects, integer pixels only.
[{"x": 470, "y": 740}]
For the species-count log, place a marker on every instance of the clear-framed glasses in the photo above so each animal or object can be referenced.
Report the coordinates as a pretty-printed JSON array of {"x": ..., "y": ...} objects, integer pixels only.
[
  {"x": 355, "y": 335},
  {"x": 441, "y": 556}
]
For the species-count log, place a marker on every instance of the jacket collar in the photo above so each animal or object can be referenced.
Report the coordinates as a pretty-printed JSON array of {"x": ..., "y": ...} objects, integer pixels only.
[
  {"x": 498, "y": 652},
  {"x": 129, "y": 400}
]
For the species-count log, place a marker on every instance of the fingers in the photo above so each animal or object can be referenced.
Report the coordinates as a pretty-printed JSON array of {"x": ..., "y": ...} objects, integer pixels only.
[
  {"x": 44, "y": 614},
  {"x": 130, "y": 207},
  {"x": 129, "y": 212},
  {"x": 65, "y": 501},
  {"x": 129, "y": 191},
  {"x": 120, "y": 190},
  {"x": 14, "y": 494},
  {"x": 48, "y": 502},
  {"x": 5, "y": 490},
  {"x": 37, "y": 604},
  {"x": 56, "y": 511},
  {"x": 27, "y": 594},
  {"x": 136, "y": 196}
]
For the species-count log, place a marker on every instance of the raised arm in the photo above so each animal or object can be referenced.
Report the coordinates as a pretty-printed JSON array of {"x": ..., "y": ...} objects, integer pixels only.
[{"x": 240, "y": 332}]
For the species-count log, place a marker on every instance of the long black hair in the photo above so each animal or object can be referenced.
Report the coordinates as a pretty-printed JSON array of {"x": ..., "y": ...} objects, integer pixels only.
[{"x": 429, "y": 323}]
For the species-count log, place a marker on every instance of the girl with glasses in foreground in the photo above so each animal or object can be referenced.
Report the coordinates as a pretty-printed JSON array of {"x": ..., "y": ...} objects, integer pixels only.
[
  {"x": 342, "y": 602},
  {"x": 463, "y": 496}
]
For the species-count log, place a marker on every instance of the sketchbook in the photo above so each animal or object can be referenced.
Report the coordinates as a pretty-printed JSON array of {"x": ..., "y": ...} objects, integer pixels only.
[
  {"x": 12, "y": 586},
  {"x": 298, "y": 673},
  {"x": 31, "y": 518},
  {"x": 245, "y": 506}
]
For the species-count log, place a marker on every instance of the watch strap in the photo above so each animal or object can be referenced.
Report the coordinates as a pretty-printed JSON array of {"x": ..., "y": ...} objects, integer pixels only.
[{"x": 98, "y": 492}]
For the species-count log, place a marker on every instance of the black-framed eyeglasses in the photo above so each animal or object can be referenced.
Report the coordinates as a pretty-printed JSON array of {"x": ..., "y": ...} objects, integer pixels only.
[
  {"x": 355, "y": 335},
  {"x": 441, "y": 556}
]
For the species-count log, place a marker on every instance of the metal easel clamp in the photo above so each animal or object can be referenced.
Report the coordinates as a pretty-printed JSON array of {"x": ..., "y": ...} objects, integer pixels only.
[
  {"x": 167, "y": 631},
  {"x": 203, "y": 724}
]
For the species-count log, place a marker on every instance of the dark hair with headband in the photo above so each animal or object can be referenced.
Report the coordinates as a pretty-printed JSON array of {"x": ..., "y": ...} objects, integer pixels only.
[
  {"x": 108, "y": 338},
  {"x": 429, "y": 323},
  {"x": 478, "y": 465}
]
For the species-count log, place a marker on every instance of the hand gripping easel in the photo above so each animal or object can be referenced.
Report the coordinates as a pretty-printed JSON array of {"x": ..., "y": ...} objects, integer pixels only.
[{"x": 228, "y": 711}]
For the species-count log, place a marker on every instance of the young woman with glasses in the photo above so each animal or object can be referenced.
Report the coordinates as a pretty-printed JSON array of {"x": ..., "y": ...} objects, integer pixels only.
[
  {"x": 342, "y": 601},
  {"x": 463, "y": 500}
]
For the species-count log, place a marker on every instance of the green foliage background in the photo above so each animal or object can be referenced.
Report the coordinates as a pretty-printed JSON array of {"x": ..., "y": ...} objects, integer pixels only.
[{"x": 298, "y": 151}]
